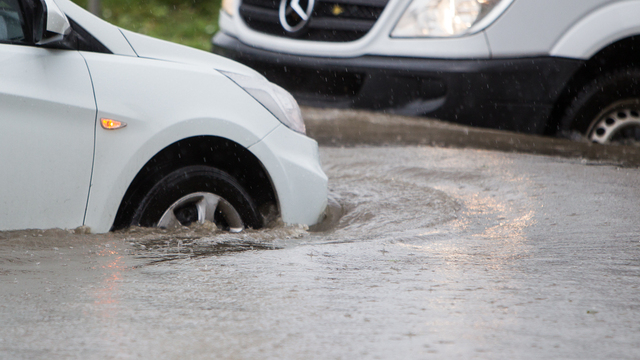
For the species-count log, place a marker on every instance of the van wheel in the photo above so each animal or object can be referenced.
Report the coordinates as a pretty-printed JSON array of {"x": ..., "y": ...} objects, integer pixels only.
[
  {"x": 607, "y": 110},
  {"x": 196, "y": 194}
]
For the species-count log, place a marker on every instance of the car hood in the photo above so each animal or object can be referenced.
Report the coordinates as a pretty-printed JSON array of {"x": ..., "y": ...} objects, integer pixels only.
[
  {"x": 127, "y": 43},
  {"x": 152, "y": 48}
]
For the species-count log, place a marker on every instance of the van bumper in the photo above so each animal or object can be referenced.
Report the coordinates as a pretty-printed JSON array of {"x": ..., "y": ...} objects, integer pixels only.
[{"x": 508, "y": 94}]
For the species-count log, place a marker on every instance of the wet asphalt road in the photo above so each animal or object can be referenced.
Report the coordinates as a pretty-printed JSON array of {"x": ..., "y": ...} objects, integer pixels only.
[{"x": 428, "y": 252}]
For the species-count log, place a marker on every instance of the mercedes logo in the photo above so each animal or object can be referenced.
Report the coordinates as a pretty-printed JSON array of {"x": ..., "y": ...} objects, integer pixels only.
[{"x": 295, "y": 14}]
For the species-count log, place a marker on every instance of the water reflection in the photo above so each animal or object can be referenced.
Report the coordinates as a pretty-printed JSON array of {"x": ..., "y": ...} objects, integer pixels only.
[
  {"x": 496, "y": 209},
  {"x": 106, "y": 294}
]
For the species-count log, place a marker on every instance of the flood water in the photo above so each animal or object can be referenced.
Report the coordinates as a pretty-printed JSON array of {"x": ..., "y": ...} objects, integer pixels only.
[{"x": 426, "y": 253}]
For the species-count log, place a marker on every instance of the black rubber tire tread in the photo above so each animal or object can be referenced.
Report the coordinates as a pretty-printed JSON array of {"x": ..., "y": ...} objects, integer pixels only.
[
  {"x": 192, "y": 179},
  {"x": 597, "y": 95}
]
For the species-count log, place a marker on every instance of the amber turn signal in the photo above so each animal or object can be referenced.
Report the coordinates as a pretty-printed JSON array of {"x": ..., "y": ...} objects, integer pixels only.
[{"x": 111, "y": 124}]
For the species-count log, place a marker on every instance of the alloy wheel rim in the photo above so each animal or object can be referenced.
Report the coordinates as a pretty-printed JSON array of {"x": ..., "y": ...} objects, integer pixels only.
[{"x": 200, "y": 207}]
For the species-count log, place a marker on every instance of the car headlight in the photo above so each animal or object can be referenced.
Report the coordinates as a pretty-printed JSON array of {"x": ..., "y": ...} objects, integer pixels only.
[
  {"x": 444, "y": 18},
  {"x": 274, "y": 98}
]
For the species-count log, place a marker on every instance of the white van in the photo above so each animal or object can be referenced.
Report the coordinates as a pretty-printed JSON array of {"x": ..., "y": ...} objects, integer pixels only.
[{"x": 567, "y": 67}]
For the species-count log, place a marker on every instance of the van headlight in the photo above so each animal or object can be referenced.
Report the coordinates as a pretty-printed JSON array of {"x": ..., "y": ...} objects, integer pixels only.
[
  {"x": 274, "y": 98},
  {"x": 444, "y": 18}
]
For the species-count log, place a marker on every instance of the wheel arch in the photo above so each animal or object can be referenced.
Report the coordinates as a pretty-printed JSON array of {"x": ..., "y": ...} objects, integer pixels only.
[
  {"x": 606, "y": 25},
  {"x": 621, "y": 54},
  {"x": 215, "y": 151}
]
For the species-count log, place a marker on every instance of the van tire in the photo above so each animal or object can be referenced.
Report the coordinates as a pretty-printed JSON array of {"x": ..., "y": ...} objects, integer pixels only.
[{"x": 588, "y": 115}]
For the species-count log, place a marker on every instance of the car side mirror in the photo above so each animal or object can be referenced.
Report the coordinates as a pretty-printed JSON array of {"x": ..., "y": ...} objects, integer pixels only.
[{"x": 51, "y": 24}]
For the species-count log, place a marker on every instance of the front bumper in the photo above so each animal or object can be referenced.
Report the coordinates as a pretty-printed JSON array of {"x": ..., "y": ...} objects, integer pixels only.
[
  {"x": 293, "y": 163},
  {"x": 509, "y": 94}
]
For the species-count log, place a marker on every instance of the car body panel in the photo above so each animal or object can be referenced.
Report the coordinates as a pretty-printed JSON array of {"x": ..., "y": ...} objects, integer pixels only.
[
  {"x": 532, "y": 27},
  {"x": 161, "y": 102},
  {"x": 48, "y": 118},
  {"x": 298, "y": 179},
  {"x": 602, "y": 27}
]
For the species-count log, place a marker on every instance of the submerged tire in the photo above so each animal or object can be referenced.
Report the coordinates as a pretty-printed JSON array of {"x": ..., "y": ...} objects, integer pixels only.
[
  {"x": 607, "y": 110},
  {"x": 195, "y": 194}
]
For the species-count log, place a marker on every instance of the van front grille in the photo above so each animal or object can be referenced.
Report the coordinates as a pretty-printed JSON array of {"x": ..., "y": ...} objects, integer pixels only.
[{"x": 331, "y": 20}]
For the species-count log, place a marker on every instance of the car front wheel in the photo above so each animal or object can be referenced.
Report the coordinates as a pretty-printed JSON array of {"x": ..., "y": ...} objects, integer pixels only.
[{"x": 196, "y": 194}]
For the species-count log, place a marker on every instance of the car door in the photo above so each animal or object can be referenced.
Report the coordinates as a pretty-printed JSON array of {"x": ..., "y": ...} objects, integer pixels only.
[{"x": 47, "y": 119}]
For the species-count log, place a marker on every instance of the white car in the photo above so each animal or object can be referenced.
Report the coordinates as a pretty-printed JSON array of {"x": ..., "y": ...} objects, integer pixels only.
[
  {"x": 568, "y": 67},
  {"x": 106, "y": 128}
]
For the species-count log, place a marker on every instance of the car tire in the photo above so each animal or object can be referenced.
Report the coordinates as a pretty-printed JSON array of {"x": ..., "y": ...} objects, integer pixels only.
[
  {"x": 606, "y": 110},
  {"x": 195, "y": 194}
]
